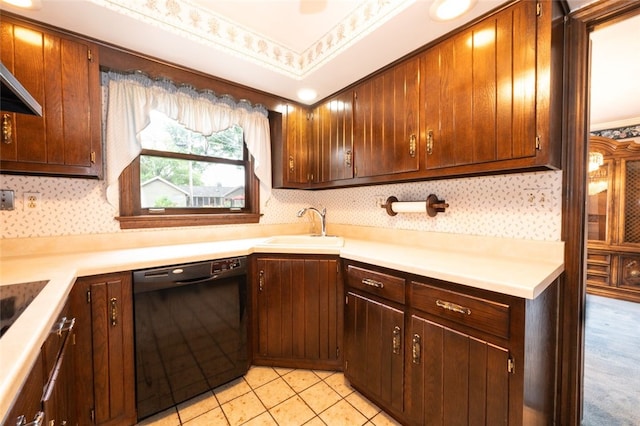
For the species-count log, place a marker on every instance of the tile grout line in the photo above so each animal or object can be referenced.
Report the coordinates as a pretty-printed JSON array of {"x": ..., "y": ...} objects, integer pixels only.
[{"x": 280, "y": 375}]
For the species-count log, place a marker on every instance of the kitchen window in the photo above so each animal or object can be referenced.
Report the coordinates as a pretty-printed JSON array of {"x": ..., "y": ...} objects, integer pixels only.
[
  {"x": 185, "y": 171},
  {"x": 183, "y": 157}
]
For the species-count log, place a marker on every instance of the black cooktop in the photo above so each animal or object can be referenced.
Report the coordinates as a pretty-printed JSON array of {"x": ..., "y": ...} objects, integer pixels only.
[{"x": 14, "y": 299}]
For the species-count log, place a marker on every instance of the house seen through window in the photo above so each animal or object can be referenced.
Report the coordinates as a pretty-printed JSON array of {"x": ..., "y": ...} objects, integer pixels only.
[{"x": 181, "y": 169}]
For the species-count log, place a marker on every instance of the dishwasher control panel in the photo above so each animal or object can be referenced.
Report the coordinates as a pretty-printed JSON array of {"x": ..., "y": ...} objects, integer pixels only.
[{"x": 226, "y": 265}]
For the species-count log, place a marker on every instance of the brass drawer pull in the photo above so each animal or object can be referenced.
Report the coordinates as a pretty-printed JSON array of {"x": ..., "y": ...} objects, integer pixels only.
[
  {"x": 372, "y": 283},
  {"x": 453, "y": 307},
  {"x": 7, "y": 129},
  {"x": 347, "y": 158},
  {"x": 430, "y": 142},
  {"x": 416, "y": 349},
  {"x": 412, "y": 146},
  {"x": 396, "y": 340}
]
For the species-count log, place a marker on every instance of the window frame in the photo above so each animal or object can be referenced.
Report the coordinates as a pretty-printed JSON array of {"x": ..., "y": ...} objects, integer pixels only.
[{"x": 133, "y": 216}]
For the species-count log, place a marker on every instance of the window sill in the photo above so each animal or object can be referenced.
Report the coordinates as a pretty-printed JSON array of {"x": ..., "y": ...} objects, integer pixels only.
[{"x": 168, "y": 221}]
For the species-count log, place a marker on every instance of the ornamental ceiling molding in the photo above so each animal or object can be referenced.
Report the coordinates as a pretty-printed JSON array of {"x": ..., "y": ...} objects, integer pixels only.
[{"x": 197, "y": 24}]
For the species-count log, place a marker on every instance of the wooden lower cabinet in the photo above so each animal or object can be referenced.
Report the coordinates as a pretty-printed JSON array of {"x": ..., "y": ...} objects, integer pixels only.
[
  {"x": 374, "y": 350},
  {"x": 455, "y": 379},
  {"x": 104, "y": 351},
  {"x": 48, "y": 393},
  {"x": 447, "y": 354},
  {"x": 297, "y": 311},
  {"x": 28, "y": 402}
]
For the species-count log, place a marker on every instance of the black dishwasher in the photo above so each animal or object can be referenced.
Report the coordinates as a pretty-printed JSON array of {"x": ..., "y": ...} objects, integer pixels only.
[{"x": 190, "y": 330}]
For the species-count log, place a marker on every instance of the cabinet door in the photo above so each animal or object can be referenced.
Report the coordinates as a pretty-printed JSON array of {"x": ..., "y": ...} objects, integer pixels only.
[
  {"x": 104, "y": 351},
  {"x": 62, "y": 74},
  {"x": 454, "y": 378},
  {"x": 28, "y": 402},
  {"x": 478, "y": 92},
  {"x": 298, "y": 311},
  {"x": 59, "y": 396},
  {"x": 295, "y": 162},
  {"x": 332, "y": 131},
  {"x": 386, "y": 122},
  {"x": 374, "y": 350}
]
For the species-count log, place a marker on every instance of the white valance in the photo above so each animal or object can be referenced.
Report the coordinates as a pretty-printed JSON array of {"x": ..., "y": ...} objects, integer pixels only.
[{"x": 131, "y": 97}]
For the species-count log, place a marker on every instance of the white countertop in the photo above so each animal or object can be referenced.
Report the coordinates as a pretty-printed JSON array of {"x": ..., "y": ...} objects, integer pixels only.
[{"x": 516, "y": 271}]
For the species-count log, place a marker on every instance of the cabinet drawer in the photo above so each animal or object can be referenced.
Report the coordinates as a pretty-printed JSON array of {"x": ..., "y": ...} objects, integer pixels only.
[
  {"x": 480, "y": 314},
  {"x": 598, "y": 258},
  {"x": 387, "y": 286}
]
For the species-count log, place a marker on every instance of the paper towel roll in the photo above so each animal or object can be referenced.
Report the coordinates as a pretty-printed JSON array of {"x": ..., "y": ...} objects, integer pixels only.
[{"x": 409, "y": 207}]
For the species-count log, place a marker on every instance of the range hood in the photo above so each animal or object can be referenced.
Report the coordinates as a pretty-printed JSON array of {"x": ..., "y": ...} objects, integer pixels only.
[{"x": 14, "y": 97}]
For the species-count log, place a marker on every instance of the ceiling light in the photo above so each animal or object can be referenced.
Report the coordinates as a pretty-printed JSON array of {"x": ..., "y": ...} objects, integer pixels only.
[
  {"x": 444, "y": 10},
  {"x": 307, "y": 94},
  {"x": 596, "y": 159},
  {"x": 26, "y": 4}
]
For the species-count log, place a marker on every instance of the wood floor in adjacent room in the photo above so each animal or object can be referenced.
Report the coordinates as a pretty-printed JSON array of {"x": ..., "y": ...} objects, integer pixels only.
[{"x": 611, "y": 363}]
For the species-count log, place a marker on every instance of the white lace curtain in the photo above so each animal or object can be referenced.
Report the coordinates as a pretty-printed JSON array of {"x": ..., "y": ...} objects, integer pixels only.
[{"x": 132, "y": 96}]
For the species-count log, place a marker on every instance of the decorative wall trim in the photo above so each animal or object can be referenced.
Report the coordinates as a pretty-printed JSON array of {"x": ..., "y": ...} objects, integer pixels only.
[
  {"x": 187, "y": 19},
  {"x": 626, "y": 132}
]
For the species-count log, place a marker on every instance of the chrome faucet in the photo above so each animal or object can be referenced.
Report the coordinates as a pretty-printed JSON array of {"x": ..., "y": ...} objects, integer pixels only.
[{"x": 323, "y": 217}]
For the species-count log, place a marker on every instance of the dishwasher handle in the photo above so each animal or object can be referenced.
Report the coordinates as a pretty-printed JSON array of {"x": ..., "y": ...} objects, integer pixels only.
[{"x": 195, "y": 281}]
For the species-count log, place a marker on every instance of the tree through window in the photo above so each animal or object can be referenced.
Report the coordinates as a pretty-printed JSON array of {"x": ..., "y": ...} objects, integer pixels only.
[{"x": 182, "y": 169}]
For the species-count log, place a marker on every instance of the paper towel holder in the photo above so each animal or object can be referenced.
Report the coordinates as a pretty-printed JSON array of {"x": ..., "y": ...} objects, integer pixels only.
[{"x": 433, "y": 205}]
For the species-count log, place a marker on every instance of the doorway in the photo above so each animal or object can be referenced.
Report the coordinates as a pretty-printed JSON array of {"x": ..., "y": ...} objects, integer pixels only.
[
  {"x": 612, "y": 308},
  {"x": 575, "y": 153}
]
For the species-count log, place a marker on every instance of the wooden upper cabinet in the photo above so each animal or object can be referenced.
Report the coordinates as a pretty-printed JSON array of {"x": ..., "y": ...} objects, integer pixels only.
[
  {"x": 62, "y": 74},
  {"x": 386, "y": 122},
  {"x": 291, "y": 158},
  {"x": 482, "y": 94},
  {"x": 486, "y": 99},
  {"x": 332, "y": 139}
]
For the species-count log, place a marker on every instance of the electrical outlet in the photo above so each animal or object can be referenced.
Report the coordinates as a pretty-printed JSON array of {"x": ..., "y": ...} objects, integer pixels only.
[
  {"x": 536, "y": 197},
  {"x": 32, "y": 201}
]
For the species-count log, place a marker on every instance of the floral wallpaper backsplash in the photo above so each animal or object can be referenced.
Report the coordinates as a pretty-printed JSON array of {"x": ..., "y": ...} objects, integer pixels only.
[{"x": 523, "y": 206}]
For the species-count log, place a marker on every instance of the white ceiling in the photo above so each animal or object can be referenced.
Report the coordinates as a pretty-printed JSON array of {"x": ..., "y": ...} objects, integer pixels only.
[
  {"x": 281, "y": 46},
  {"x": 615, "y": 75}
]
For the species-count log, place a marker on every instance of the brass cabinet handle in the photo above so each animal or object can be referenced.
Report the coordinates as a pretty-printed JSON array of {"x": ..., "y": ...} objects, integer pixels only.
[
  {"x": 416, "y": 349},
  {"x": 453, "y": 307},
  {"x": 412, "y": 145},
  {"x": 291, "y": 164},
  {"x": 430, "y": 142},
  {"x": 396, "y": 340},
  {"x": 347, "y": 158},
  {"x": 372, "y": 283},
  {"x": 114, "y": 311},
  {"x": 261, "y": 280},
  {"x": 7, "y": 129}
]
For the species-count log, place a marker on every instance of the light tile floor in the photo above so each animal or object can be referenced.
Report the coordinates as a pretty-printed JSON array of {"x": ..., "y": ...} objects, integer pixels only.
[{"x": 277, "y": 396}]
